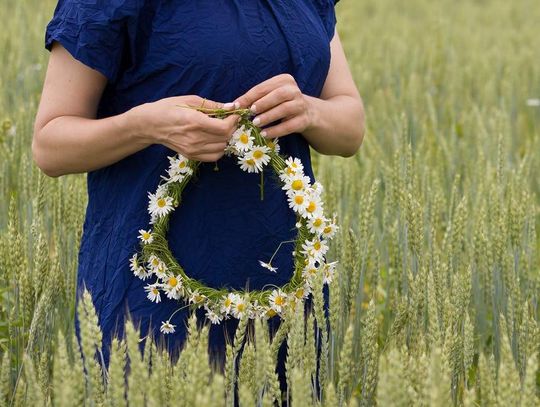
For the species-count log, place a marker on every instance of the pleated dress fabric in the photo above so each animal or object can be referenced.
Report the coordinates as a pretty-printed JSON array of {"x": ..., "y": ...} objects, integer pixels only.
[{"x": 217, "y": 49}]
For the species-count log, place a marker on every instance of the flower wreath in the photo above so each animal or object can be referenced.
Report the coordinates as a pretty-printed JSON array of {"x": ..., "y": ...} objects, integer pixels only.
[{"x": 254, "y": 152}]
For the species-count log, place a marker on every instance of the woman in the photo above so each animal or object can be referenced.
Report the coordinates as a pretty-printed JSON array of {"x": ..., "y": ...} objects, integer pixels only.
[{"x": 118, "y": 71}]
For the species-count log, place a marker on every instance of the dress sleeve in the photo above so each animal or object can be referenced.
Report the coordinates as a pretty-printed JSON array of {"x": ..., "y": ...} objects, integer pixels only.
[
  {"x": 92, "y": 31},
  {"x": 328, "y": 15}
]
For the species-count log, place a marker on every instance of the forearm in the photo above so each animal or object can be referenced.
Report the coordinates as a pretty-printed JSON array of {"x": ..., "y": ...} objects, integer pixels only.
[
  {"x": 337, "y": 125},
  {"x": 71, "y": 144}
]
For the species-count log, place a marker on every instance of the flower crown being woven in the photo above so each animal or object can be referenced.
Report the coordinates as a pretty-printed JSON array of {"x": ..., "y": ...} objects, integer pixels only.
[{"x": 156, "y": 263}]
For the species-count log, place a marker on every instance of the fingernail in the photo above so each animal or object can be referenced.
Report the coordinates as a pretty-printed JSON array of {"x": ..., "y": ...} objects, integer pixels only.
[
  {"x": 237, "y": 105},
  {"x": 263, "y": 133},
  {"x": 228, "y": 105},
  {"x": 253, "y": 108},
  {"x": 256, "y": 121}
]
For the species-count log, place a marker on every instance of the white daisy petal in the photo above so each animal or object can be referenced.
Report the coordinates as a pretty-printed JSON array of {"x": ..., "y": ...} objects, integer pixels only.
[{"x": 167, "y": 327}]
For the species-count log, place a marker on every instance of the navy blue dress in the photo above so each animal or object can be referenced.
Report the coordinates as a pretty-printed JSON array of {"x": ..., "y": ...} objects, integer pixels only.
[{"x": 217, "y": 49}]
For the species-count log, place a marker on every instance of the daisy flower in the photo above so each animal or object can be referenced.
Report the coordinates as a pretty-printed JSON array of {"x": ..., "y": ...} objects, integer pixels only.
[
  {"x": 273, "y": 145},
  {"x": 162, "y": 190},
  {"x": 268, "y": 266},
  {"x": 161, "y": 271},
  {"x": 153, "y": 293},
  {"x": 309, "y": 272},
  {"x": 159, "y": 205},
  {"x": 174, "y": 177},
  {"x": 179, "y": 168},
  {"x": 294, "y": 165},
  {"x": 260, "y": 155},
  {"x": 145, "y": 236},
  {"x": 300, "y": 293},
  {"x": 157, "y": 266},
  {"x": 137, "y": 269},
  {"x": 213, "y": 317},
  {"x": 298, "y": 201},
  {"x": 296, "y": 183},
  {"x": 173, "y": 287},
  {"x": 167, "y": 327},
  {"x": 196, "y": 297},
  {"x": 242, "y": 140},
  {"x": 315, "y": 248},
  {"x": 278, "y": 299},
  {"x": 248, "y": 163},
  {"x": 314, "y": 205},
  {"x": 240, "y": 308},
  {"x": 179, "y": 164},
  {"x": 330, "y": 230},
  {"x": 329, "y": 271},
  {"x": 255, "y": 310},
  {"x": 228, "y": 301},
  {"x": 317, "y": 224}
]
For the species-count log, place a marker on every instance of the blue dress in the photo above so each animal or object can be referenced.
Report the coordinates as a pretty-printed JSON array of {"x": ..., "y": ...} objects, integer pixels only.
[{"x": 217, "y": 49}]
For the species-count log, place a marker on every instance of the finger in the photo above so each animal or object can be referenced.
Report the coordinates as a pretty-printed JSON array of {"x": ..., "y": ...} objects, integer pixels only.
[
  {"x": 197, "y": 101},
  {"x": 223, "y": 128},
  {"x": 212, "y": 148},
  {"x": 281, "y": 111},
  {"x": 293, "y": 125},
  {"x": 263, "y": 88},
  {"x": 276, "y": 97}
]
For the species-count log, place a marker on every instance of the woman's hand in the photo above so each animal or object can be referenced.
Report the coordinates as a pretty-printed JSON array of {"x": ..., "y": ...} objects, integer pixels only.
[
  {"x": 278, "y": 98},
  {"x": 187, "y": 131},
  {"x": 333, "y": 123}
]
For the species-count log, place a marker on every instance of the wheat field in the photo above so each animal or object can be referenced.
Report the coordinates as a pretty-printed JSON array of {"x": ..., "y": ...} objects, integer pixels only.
[{"x": 435, "y": 302}]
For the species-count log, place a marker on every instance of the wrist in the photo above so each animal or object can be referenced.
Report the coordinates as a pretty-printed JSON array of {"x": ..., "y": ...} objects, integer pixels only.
[
  {"x": 313, "y": 113},
  {"x": 131, "y": 122}
]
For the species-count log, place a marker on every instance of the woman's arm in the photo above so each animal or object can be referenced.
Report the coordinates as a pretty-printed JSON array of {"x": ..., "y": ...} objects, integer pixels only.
[
  {"x": 333, "y": 124},
  {"x": 68, "y": 138},
  {"x": 337, "y": 124}
]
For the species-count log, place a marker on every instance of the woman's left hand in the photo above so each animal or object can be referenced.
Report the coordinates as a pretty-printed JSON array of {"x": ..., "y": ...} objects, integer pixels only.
[{"x": 278, "y": 98}]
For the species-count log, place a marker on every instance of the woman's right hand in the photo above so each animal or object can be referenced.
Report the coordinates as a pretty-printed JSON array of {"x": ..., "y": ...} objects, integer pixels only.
[{"x": 187, "y": 131}]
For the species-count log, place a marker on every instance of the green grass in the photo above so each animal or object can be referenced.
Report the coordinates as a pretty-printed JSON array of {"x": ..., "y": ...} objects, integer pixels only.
[{"x": 439, "y": 277}]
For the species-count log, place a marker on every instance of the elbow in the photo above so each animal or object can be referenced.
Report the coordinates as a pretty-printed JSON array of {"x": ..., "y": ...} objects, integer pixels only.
[
  {"x": 357, "y": 138},
  {"x": 39, "y": 157}
]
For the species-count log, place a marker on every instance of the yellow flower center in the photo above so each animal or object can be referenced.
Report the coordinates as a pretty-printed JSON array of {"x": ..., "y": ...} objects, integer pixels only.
[
  {"x": 257, "y": 154},
  {"x": 271, "y": 312},
  {"x": 299, "y": 199},
  {"x": 311, "y": 207},
  {"x": 161, "y": 202},
  {"x": 146, "y": 235},
  {"x": 312, "y": 270},
  {"x": 244, "y": 138},
  {"x": 250, "y": 162},
  {"x": 271, "y": 145},
  {"x": 198, "y": 298},
  {"x": 317, "y": 246},
  {"x": 181, "y": 164},
  {"x": 294, "y": 165},
  {"x": 240, "y": 307},
  {"x": 155, "y": 291},
  {"x": 173, "y": 282},
  {"x": 327, "y": 229},
  {"x": 317, "y": 222},
  {"x": 290, "y": 171},
  {"x": 228, "y": 302},
  {"x": 155, "y": 262},
  {"x": 297, "y": 185},
  {"x": 279, "y": 300},
  {"x": 300, "y": 293}
]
